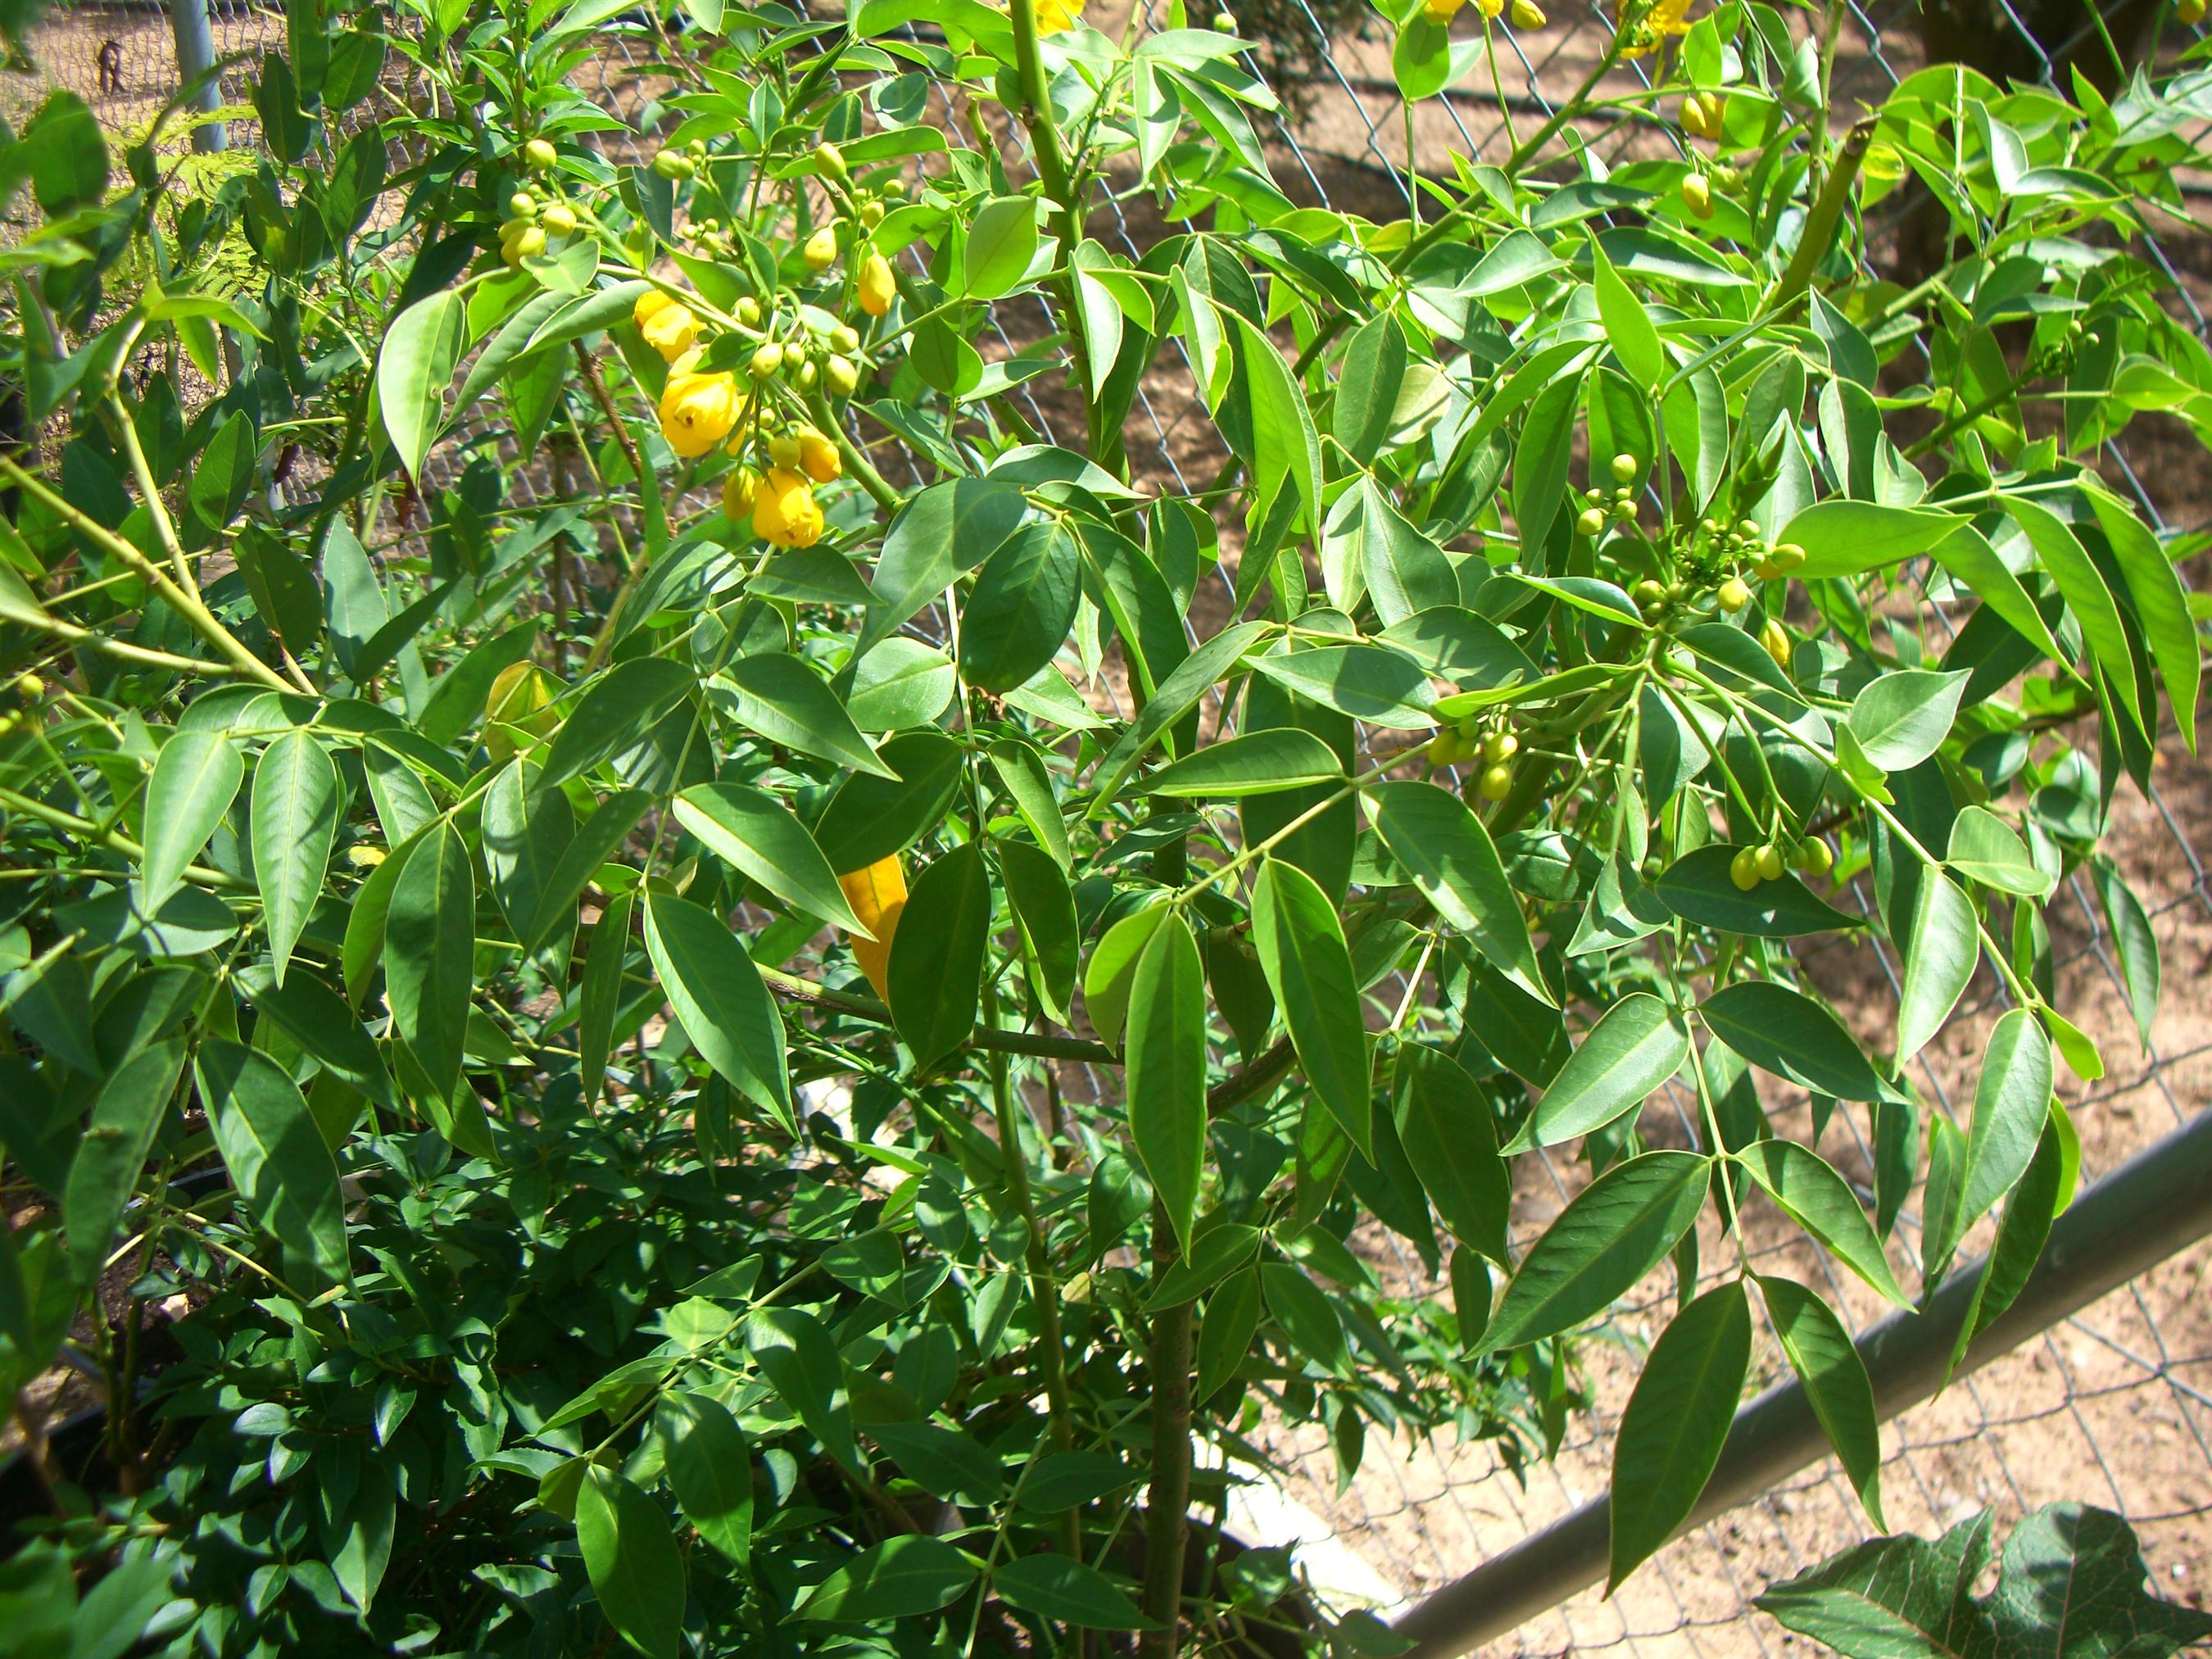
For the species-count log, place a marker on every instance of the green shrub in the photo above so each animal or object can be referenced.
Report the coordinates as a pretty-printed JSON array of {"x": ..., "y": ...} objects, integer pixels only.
[{"x": 736, "y": 1043}]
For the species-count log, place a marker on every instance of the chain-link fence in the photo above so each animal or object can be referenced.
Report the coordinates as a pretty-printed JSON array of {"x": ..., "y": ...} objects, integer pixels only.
[
  {"x": 2112, "y": 1406},
  {"x": 121, "y": 59}
]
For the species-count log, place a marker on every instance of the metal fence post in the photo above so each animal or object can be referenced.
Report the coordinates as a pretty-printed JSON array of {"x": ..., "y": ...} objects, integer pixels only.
[{"x": 195, "y": 57}]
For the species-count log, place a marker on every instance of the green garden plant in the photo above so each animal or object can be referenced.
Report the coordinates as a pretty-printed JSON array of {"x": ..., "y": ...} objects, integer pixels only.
[{"x": 673, "y": 985}]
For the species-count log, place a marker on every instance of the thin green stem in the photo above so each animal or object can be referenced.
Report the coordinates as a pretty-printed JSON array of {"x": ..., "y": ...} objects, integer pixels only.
[{"x": 202, "y": 621}]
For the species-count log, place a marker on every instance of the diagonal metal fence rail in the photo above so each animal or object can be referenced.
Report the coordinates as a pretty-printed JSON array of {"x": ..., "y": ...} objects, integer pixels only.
[{"x": 2111, "y": 1405}]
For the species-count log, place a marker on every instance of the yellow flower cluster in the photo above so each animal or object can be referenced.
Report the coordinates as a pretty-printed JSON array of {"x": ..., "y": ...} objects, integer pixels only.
[
  {"x": 785, "y": 511},
  {"x": 697, "y": 410},
  {"x": 1443, "y": 11},
  {"x": 666, "y": 322},
  {"x": 1052, "y": 16},
  {"x": 1643, "y": 35}
]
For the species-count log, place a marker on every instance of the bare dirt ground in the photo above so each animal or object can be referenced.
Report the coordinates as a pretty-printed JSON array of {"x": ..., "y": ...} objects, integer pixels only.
[{"x": 2112, "y": 1407}]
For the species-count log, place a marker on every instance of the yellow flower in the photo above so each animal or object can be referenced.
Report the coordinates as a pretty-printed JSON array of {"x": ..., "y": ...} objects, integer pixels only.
[
  {"x": 739, "y": 491},
  {"x": 1643, "y": 35},
  {"x": 1054, "y": 16},
  {"x": 1442, "y": 11},
  {"x": 818, "y": 456},
  {"x": 697, "y": 412},
  {"x": 878, "y": 286},
  {"x": 877, "y": 895},
  {"x": 650, "y": 303},
  {"x": 671, "y": 331},
  {"x": 785, "y": 511}
]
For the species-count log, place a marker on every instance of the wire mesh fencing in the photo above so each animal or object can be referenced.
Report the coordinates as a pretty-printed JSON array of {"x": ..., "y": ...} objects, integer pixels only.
[
  {"x": 2112, "y": 1406},
  {"x": 121, "y": 59}
]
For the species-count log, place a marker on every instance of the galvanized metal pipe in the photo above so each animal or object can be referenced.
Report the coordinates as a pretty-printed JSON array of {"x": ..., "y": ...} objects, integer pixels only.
[
  {"x": 2152, "y": 1206},
  {"x": 188, "y": 20}
]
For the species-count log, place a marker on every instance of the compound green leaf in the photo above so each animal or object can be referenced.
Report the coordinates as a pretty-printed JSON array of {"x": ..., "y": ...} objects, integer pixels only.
[
  {"x": 629, "y": 1555},
  {"x": 1787, "y": 1033},
  {"x": 902, "y": 1577},
  {"x": 1940, "y": 949},
  {"x": 1676, "y": 1424},
  {"x": 1070, "y": 1592},
  {"x": 709, "y": 1469},
  {"x": 1451, "y": 859},
  {"x": 1166, "y": 1068},
  {"x": 1257, "y": 764},
  {"x": 277, "y": 1156},
  {"x": 1638, "y": 1044},
  {"x": 1616, "y": 1231},
  {"x": 1819, "y": 1351},
  {"x": 429, "y": 953},
  {"x": 295, "y": 821},
  {"x": 720, "y": 1001},
  {"x": 1302, "y": 952},
  {"x": 755, "y": 834},
  {"x": 1022, "y": 609},
  {"x": 195, "y": 778},
  {"x": 936, "y": 972},
  {"x": 1445, "y": 1125},
  {"x": 1810, "y": 1193}
]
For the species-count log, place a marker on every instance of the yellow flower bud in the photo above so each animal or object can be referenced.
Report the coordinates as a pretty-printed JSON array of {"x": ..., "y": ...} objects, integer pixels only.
[
  {"x": 697, "y": 412},
  {"x": 843, "y": 378},
  {"x": 821, "y": 249},
  {"x": 1698, "y": 195},
  {"x": 671, "y": 331},
  {"x": 540, "y": 155},
  {"x": 1743, "y": 869},
  {"x": 877, "y": 287},
  {"x": 783, "y": 451},
  {"x": 817, "y": 456},
  {"x": 785, "y": 511},
  {"x": 738, "y": 490},
  {"x": 1527, "y": 14},
  {"x": 1734, "y": 595},
  {"x": 559, "y": 220}
]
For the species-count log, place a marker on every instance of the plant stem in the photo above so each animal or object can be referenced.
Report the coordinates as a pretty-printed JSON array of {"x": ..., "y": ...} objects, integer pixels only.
[
  {"x": 1524, "y": 152},
  {"x": 604, "y": 640},
  {"x": 1052, "y": 172},
  {"x": 85, "y": 829},
  {"x": 1043, "y": 1291},
  {"x": 126, "y": 434},
  {"x": 1167, "y": 1504},
  {"x": 203, "y": 621},
  {"x": 1041, "y": 1044}
]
